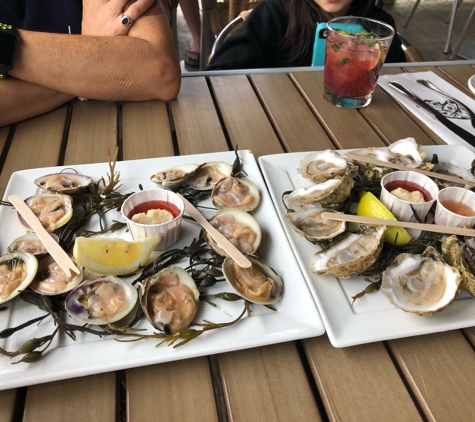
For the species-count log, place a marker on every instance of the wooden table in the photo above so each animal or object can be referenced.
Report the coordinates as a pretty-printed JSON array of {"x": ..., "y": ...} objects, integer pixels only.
[{"x": 427, "y": 377}]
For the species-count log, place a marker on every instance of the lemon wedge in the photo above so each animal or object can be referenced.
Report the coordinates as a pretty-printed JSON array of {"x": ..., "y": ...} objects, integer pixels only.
[
  {"x": 113, "y": 256},
  {"x": 370, "y": 206}
]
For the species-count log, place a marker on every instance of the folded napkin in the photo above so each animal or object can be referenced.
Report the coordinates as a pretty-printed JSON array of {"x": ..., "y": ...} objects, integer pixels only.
[{"x": 447, "y": 107}]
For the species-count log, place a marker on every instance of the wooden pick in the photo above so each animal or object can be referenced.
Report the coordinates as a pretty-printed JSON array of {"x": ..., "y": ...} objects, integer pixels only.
[
  {"x": 436, "y": 228},
  {"x": 53, "y": 248},
  {"x": 404, "y": 168},
  {"x": 221, "y": 240}
]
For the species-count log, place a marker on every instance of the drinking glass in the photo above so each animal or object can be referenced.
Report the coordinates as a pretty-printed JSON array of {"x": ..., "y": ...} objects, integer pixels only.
[{"x": 355, "y": 51}]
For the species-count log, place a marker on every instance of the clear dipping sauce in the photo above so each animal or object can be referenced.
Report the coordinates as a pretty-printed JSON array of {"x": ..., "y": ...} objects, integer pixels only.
[
  {"x": 154, "y": 205},
  {"x": 458, "y": 208},
  {"x": 409, "y": 186}
]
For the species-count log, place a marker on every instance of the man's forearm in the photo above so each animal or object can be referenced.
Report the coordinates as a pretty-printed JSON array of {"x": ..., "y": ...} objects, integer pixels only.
[
  {"x": 140, "y": 67},
  {"x": 22, "y": 100}
]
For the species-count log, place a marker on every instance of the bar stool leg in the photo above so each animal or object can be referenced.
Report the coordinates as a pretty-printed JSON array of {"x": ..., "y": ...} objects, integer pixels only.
[
  {"x": 465, "y": 29},
  {"x": 451, "y": 24},
  {"x": 411, "y": 13}
]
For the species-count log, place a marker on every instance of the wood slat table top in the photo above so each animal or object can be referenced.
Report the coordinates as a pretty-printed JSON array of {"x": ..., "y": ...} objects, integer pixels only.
[{"x": 418, "y": 378}]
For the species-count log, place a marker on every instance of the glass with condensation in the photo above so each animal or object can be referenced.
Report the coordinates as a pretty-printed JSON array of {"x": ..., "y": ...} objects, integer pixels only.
[{"x": 355, "y": 52}]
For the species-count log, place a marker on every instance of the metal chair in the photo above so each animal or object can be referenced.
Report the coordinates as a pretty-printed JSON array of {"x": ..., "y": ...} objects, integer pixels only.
[
  {"x": 412, "y": 53},
  {"x": 461, "y": 38},
  {"x": 449, "y": 20}
]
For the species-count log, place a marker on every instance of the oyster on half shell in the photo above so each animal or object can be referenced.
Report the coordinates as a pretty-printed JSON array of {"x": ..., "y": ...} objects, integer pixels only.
[
  {"x": 352, "y": 255},
  {"x": 309, "y": 223},
  {"x": 323, "y": 165},
  {"x": 422, "y": 284}
]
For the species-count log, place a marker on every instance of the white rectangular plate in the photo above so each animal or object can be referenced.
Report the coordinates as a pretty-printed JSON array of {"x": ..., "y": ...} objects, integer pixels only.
[
  {"x": 371, "y": 318},
  {"x": 296, "y": 316}
]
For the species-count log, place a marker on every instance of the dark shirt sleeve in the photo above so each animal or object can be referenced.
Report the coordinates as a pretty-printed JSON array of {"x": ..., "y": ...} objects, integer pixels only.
[
  {"x": 12, "y": 11},
  {"x": 257, "y": 44}
]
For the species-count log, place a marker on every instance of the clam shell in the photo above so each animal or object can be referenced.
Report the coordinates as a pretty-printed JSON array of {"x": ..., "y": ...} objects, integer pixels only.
[
  {"x": 259, "y": 284},
  {"x": 101, "y": 301},
  {"x": 206, "y": 177},
  {"x": 18, "y": 269},
  {"x": 30, "y": 243},
  {"x": 239, "y": 227},
  {"x": 170, "y": 299},
  {"x": 232, "y": 192},
  {"x": 54, "y": 210},
  {"x": 175, "y": 176},
  {"x": 64, "y": 182},
  {"x": 51, "y": 280}
]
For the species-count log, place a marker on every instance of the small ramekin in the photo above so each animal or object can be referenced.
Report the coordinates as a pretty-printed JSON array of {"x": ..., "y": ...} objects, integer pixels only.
[
  {"x": 169, "y": 231},
  {"x": 400, "y": 208},
  {"x": 445, "y": 217}
]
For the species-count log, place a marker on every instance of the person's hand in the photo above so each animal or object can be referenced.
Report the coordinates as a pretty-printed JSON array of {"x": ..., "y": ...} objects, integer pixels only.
[{"x": 103, "y": 17}]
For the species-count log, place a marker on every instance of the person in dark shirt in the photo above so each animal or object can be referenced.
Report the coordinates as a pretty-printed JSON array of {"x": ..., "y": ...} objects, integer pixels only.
[
  {"x": 98, "y": 49},
  {"x": 280, "y": 33}
]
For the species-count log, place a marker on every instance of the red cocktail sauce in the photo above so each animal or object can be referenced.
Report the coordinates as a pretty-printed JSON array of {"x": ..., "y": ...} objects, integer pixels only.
[
  {"x": 458, "y": 208},
  {"x": 154, "y": 205},
  {"x": 409, "y": 186}
]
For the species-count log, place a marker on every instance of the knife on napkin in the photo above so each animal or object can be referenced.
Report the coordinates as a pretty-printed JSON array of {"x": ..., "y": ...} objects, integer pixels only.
[{"x": 465, "y": 135}]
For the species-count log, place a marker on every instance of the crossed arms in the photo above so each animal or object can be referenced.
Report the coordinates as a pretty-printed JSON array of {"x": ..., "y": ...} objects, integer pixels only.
[{"x": 108, "y": 61}]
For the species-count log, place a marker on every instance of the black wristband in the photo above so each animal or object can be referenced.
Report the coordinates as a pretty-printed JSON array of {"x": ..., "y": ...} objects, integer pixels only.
[{"x": 8, "y": 44}]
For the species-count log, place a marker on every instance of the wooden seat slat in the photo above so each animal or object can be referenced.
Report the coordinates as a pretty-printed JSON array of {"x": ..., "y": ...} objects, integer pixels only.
[
  {"x": 146, "y": 131},
  {"x": 356, "y": 383},
  {"x": 198, "y": 129},
  {"x": 346, "y": 127},
  {"x": 293, "y": 120},
  {"x": 439, "y": 368},
  {"x": 267, "y": 383},
  {"x": 176, "y": 391},
  {"x": 245, "y": 120},
  {"x": 90, "y": 142}
]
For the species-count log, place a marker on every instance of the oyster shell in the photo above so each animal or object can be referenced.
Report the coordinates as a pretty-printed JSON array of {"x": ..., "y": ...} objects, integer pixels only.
[
  {"x": 239, "y": 227},
  {"x": 101, "y": 301},
  {"x": 170, "y": 299},
  {"x": 405, "y": 152},
  {"x": 17, "y": 271},
  {"x": 309, "y": 223},
  {"x": 232, "y": 192},
  {"x": 258, "y": 284},
  {"x": 454, "y": 254},
  {"x": 323, "y": 165},
  {"x": 352, "y": 255},
  {"x": 330, "y": 192},
  {"x": 54, "y": 210},
  {"x": 175, "y": 176},
  {"x": 209, "y": 174},
  {"x": 453, "y": 170},
  {"x": 422, "y": 284},
  {"x": 64, "y": 182},
  {"x": 30, "y": 243},
  {"x": 51, "y": 280}
]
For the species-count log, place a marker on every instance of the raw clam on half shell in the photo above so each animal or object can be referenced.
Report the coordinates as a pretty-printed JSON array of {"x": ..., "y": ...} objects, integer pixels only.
[
  {"x": 17, "y": 271},
  {"x": 63, "y": 182},
  {"x": 258, "y": 284},
  {"x": 170, "y": 299},
  {"x": 232, "y": 192},
  {"x": 206, "y": 177},
  {"x": 101, "y": 301},
  {"x": 175, "y": 176},
  {"x": 239, "y": 227}
]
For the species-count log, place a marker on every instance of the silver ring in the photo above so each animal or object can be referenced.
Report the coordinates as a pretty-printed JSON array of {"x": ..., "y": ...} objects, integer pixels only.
[{"x": 125, "y": 20}]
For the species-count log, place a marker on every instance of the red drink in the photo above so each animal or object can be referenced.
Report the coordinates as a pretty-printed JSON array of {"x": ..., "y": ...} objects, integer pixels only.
[{"x": 353, "y": 62}]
